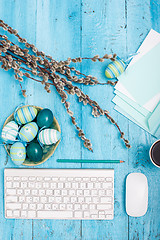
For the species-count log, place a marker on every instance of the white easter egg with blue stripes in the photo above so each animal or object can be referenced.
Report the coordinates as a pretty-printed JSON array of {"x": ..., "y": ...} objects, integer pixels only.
[
  {"x": 28, "y": 132},
  {"x": 25, "y": 114},
  {"x": 10, "y": 132},
  {"x": 115, "y": 68},
  {"x": 18, "y": 153},
  {"x": 49, "y": 136}
]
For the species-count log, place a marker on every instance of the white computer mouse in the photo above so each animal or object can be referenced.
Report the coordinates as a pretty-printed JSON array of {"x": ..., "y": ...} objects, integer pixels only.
[{"x": 136, "y": 194}]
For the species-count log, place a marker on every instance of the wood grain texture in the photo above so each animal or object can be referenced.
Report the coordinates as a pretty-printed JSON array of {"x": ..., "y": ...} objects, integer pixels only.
[{"x": 84, "y": 28}]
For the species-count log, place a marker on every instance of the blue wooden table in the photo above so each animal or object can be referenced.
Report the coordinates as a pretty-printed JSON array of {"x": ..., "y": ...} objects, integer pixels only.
[{"x": 84, "y": 28}]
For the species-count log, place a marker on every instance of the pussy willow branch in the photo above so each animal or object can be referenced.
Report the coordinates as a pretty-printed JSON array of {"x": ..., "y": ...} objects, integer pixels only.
[{"x": 31, "y": 62}]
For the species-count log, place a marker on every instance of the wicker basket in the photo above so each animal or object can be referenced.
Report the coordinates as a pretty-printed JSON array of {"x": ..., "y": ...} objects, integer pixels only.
[{"x": 47, "y": 150}]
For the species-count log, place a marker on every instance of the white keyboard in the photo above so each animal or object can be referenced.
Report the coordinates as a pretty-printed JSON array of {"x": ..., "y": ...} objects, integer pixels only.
[{"x": 59, "y": 193}]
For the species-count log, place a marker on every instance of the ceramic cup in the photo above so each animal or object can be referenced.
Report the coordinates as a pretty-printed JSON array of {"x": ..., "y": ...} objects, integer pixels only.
[{"x": 154, "y": 153}]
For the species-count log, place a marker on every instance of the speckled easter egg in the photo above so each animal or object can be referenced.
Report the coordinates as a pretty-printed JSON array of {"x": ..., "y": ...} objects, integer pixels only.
[
  {"x": 25, "y": 114},
  {"x": 9, "y": 132},
  {"x": 45, "y": 118},
  {"x": 115, "y": 68},
  {"x": 18, "y": 153},
  {"x": 49, "y": 136},
  {"x": 28, "y": 132}
]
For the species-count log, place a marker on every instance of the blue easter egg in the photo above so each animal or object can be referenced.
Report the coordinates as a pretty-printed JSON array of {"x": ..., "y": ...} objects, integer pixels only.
[
  {"x": 10, "y": 132},
  {"x": 18, "y": 153},
  {"x": 49, "y": 136},
  {"x": 28, "y": 132},
  {"x": 25, "y": 114},
  {"x": 115, "y": 68}
]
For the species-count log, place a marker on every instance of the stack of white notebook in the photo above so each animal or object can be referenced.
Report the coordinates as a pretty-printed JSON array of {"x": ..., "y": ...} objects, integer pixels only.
[{"x": 138, "y": 90}]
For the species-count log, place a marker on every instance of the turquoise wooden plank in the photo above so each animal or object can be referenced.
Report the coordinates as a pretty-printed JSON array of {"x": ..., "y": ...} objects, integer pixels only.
[
  {"x": 138, "y": 25},
  {"x": 100, "y": 35}
]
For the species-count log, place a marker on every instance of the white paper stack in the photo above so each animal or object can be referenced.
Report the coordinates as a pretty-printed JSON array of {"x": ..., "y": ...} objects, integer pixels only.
[{"x": 138, "y": 90}]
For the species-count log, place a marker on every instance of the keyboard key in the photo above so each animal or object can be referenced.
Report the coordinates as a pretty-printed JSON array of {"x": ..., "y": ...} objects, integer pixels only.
[
  {"x": 90, "y": 185},
  {"x": 47, "y": 206},
  {"x": 32, "y": 178},
  {"x": 9, "y": 184},
  {"x": 104, "y": 206},
  {"x": 31, "y": 214},
  {"x": 69, "y": 206},
  {"x": 32, "y": 206},
  {"x": 64, "y": 192},
  {"x": 9, "y": 178},
  {"x": 79, "y": 192},
  {"x": 57, "y": 192},
  {"x": 81, "y": 199},
  {"x": 86, "y": 214},
  {"x": 39, "y": 178},
  {"x": 16, "y": 213},
  {"x": 78, "y": 179},
  {"x": 78, "y": 214},
  {"x": 87, "y": 193},
  {"x": 11, "y": 191},
  {"x": 9, "y": 213},
  {"x": 25, "y": 206},
  {"x": 19, "y": 191},
  {"x": 60, "y": 185},
  {"x": 31, "y": 184},
  {"x": 11, "y": 199},
  {"x": 62, "y": 206},
  {"x": 21, "y": 199},
  {"x": 97, "y": 185},
  {"x": 39, "y": 206},
  {"x": 82, "y": 185},
  {"x": 27, "y": 192},
  {"x": 77, "y": 206},
  {"x": 38, "y": 185},
  {"x": 73, "y": 199},
  {"x": 54, "y": 206},
  {"x": 53, "y": 185},
  {"x": 41, "y": 192},
  {"x": 50, "y": 199},
  {"x": 72, "y": 192},
  {"x": 84, "y": 206},
  {"x": 45, "y": 185},
  {"x": 54, "y": 214},
  {"x": 24, "y": 178},
  {"x": 88, "y": 199},
  {"x": 106, "y": 199},
  {"x": 62, "y": 179},
  {"x": 92, "y": 206},
  {"x": 109, "y": 192},
  {"x": 13, "y": 205},
  {"x": 108, "y": 179},
  {"x": 54, "y": 179},
  {"x": 34, "y": 192},
  {"x": 43, "y": 199},
  {"x": 67, "y": 185},
  {"x": 93, "y": 179},
  {"x": 58, "y": 199},
  {"x": 75, "y": 185},
  {"x": 107, "y": 185},
  {"x": 49, "y": 192},
  {"x": 66, "y": 199},
  {"x": 23, "y": 184},
  {"x": 29, "y": 199},
  {"x": 23, "y": 214},
  {"x": 101, "y": 192},
  {"x": 47, "y": 179}
]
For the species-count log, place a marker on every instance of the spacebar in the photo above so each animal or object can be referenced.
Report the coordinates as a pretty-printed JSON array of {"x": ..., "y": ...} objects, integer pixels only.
[{"x": 54, "y": 214}]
